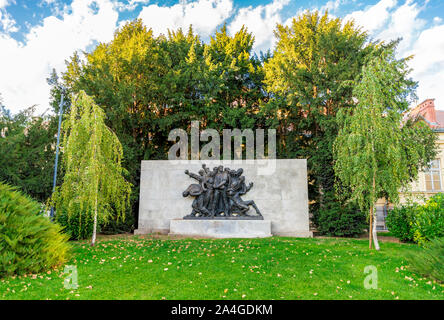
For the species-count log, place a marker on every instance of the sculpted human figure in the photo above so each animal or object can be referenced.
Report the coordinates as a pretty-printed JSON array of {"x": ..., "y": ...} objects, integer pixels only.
[
  {"x": 235, "y": 177},
  {"x": 207, "y": 170},
  {"x": 236, "y": 190},
  {"x": 201, "y": 177},
  {"x": 221, "y": 180},
  {"x": 208, "y": 186},
  {"x": 219, "y": 190},
  {"x": 198, "y": 191}
]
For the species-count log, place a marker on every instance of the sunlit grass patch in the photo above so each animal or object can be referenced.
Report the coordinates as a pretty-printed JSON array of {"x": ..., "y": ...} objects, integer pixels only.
[{"x": 273, "y": 268}]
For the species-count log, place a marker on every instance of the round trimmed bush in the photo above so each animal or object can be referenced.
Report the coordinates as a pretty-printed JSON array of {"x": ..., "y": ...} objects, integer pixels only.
[{"x": 29, "y": 241}]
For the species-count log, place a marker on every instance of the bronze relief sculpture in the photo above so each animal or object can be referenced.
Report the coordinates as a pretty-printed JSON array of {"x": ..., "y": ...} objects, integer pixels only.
[{"x": 218, "y": 195}]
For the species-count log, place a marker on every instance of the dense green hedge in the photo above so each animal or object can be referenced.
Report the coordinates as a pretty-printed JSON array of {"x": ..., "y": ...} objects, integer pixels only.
[
  {"x": 429, "y": 219},
  {"x": 29, "y": 241},
  {"x": 340, "y": 220},
  {"x": 399, "y": 222},
  {"x": 77, "y": 226},
  {"x": 80, "y": 227},
  {"x": 419, "y": 223}
]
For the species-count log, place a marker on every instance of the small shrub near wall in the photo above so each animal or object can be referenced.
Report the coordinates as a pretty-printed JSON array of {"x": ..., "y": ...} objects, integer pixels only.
[
  {"x": 418, "y": 223},
  {"x": 29, "y": 241},
  {"x": 336, "y": 219},
  {"x": 77, "y": 226},
  {"x": 429, "y": 220},
  {"x": 80, "y": 226},
  {"x": 399, "y": 222}
]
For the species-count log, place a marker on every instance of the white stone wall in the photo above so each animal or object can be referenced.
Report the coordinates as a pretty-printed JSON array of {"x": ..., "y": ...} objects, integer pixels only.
[{"x": 282, "y": 197}]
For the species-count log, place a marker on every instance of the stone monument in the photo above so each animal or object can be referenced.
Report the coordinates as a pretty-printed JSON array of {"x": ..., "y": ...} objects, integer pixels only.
[
  {"x": 218, "y": 195},
  {"x": 231, "y": 200}
]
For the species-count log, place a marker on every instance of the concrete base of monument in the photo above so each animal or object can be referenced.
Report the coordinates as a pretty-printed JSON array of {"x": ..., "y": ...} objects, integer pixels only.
[{"x": 221, "y": 228}]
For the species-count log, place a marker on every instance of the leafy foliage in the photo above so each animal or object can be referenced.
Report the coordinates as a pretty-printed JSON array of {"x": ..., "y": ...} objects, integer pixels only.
[
  {"x": 342, "y": 220},
  {"x": 429, "y": 219},
  {"x": 93, "y": 185},
  {"x": 29, "y": 242},
  {"x": 418, "y": 222},
  {"x": 150, "y": 85},
  {"x": 118, "y": 226},
  {"x": 375, "y": 155},
  {"x": 400, "y": 220},
  {"x": 311, "y": 77},
  {"x": 429, "y": 261},
  {"x": 27, "y": 153},
  {"x": 76, "y": 224}
]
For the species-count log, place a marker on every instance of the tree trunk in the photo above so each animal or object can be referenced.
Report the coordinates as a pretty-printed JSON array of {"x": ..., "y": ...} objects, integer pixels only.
[
  {"x": 93, "y": 241},
  {"x": 375, "y": 235},
  {"x": 373, "y": 232},
  {"x": 370, "y": 229}
]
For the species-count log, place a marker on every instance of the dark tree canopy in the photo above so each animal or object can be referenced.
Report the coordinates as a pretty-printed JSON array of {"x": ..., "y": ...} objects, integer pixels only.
[
  {"x": 27, "y": 151},
  {"x": 311, "y": 75},
  {"x": 148, "y": 85}
]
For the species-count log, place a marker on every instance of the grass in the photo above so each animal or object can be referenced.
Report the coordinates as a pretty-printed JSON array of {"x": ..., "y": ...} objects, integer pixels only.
[
  {"x": 385, "y": 234},
  {"x": 272, "y": 268}
]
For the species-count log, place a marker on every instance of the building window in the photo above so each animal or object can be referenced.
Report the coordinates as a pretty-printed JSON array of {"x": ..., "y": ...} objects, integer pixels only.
[{"x": 433, "y": 176}]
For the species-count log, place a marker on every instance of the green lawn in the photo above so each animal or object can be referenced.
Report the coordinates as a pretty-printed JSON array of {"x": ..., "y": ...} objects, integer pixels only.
[{"x": 273, "y": 268}]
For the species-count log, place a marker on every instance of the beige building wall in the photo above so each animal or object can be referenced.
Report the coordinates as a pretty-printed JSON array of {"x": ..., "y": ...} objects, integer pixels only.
[{"x": 418, "y": 190}]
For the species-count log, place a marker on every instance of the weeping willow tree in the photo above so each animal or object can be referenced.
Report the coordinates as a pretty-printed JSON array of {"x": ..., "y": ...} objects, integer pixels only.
[
  {"x": 92, "y": 154},
  {"x": 377, "y": 152}
]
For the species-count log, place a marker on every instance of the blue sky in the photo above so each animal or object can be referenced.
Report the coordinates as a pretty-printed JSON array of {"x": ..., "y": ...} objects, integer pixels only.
[{"x": 38, "y": 35}]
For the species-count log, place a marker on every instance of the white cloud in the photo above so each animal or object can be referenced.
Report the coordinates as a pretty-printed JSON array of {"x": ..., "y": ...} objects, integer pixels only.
[
  {"x": 204, "y": 15},
  {"x": 48, "y": 2},
  {"x": 437, "y": 20},
  {"x": 404, "y": 23},
  {"x": 25, "y": 66},
  {"x": 428, "y": 64},
  {"x": 5, "y": 3},
  {"x": 388, "y": 20},
  {"x": 7, "y": 24},
  {"x": 373, "y": 17},
  {"x": 261, "y": 21},
  {"x": 130, "y": 6},
  {"x": 331, "y": 6}
]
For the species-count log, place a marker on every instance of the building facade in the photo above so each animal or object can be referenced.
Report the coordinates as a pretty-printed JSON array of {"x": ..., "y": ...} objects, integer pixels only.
[{"x": 430, "y": 181}]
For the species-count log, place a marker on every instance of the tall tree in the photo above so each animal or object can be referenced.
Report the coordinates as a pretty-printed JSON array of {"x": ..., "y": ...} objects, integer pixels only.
[
  {"x": 92, "y": 155},
  {"x": 376, "y": 155},
  {"x": 27, "y": 148},
  {"x": 309, "y": 75},
  {"x": 150, "y": 85},
  {"x": 236, "y": 75}
]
